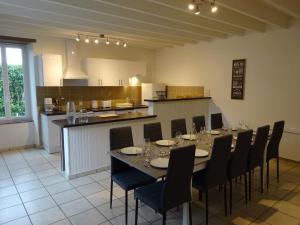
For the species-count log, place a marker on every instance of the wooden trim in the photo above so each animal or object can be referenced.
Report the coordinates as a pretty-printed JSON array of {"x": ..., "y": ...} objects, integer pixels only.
[{"x": 16, "y": 40}]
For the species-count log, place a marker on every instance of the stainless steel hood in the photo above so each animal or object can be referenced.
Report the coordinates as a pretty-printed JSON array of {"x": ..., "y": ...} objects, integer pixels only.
[{"x": 73, "y": 62}]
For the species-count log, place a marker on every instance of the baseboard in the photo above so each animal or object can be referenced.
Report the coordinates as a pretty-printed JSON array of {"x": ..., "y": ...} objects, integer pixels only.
[{"x": 15, "y": 148}]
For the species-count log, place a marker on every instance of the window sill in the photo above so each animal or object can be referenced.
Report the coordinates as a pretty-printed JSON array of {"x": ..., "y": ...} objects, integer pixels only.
[{"x": 3, "y": 122}]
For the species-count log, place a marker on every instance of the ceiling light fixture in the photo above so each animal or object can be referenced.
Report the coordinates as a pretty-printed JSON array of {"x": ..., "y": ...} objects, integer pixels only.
[
  {"x": 96, "y": 41},
  {"x": 125, "y": 45},
  {"x": 87, "y": 40},
  {"x": 101, "y": 38},
  {"x": 195, "y": 6},
  {"x": 107, "y": 41},
  {"x": 118, "y": 43},
  {"x": 77, "y": 38}
]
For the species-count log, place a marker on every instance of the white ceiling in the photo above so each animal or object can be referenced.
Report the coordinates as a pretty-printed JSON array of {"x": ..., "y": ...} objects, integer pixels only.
[{"x": 145, "y": 23}]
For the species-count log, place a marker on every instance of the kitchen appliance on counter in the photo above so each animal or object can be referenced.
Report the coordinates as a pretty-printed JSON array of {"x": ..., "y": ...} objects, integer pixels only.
[
  {"x": 153, "y": 91},
  {"x": 106, "y": 104},
  {"x": 94, "y": 104},
  {"x": 48, "y": 104}
]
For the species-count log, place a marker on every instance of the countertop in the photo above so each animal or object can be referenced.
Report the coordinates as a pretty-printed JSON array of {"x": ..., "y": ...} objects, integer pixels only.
[
  {"x": 175, "y": 99},
  {"x": 97, "y": 120},
  {"x": 56, "y": 113}
]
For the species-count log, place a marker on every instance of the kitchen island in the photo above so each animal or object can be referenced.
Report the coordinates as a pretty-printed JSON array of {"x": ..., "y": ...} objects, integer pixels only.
[{"x": 85, "y": 146}]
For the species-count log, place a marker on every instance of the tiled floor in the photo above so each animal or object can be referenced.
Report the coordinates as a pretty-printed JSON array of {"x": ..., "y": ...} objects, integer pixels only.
[{"x": 32, "y": 191}]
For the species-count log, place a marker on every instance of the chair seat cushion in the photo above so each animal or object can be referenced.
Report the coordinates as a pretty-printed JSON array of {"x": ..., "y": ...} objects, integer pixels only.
[
  {"x": 151, "y": 194},
  {"x": 132, "y": 179}
]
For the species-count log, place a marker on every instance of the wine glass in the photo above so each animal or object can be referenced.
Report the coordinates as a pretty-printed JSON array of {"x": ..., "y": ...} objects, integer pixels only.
[{"x": 178, "y": 137}]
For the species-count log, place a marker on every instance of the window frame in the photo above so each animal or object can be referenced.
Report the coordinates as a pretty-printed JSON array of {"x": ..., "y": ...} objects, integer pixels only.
[{"x": 27, "y": 103}]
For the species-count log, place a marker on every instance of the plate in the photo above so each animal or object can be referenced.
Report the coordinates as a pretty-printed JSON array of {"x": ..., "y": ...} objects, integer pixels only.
[
  {"x": 234, "y": 129},
  {"x": 165, "y": 142},
  {"x": 201, "y": 153},
  {"x": 215, "y": 132},
  {"x": 161, "y": 163},
  {"x": 234, "y": 137},
  {"x": 131, "y": 150},
  {"x": 232, "y": 146},
  {"x": 191, "y": 137}
]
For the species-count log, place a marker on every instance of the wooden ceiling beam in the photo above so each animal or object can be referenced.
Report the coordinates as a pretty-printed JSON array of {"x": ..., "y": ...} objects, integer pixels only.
[{"x": 291, "y": 7}]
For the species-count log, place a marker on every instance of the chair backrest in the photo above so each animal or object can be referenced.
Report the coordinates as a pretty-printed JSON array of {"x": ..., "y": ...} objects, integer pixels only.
[
  {"x": 178, "y": 125},
  {"x": 273, "y": 146},
  {"x": 177, "y": 187},
  {"x": 119, "y": 138},
  {"x": 216, "y": 168},
  {"x": 216, "y": 121},
  {"x": 238, "y": 158},
  {"x": 153, "y": 131},
  {"x": 199, "y": 122},
  {"x": 256, "y": 155}
]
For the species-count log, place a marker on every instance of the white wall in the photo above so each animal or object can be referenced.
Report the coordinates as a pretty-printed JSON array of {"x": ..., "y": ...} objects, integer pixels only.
[{"x": 272, "y": 78}]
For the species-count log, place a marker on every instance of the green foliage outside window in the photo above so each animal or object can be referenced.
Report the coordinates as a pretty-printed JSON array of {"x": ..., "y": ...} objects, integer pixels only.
[{"x": 16, "y": 90}]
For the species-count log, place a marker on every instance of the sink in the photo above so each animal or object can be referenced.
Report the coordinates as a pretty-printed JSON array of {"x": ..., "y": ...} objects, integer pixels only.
[{"x": 124, "y": 105}]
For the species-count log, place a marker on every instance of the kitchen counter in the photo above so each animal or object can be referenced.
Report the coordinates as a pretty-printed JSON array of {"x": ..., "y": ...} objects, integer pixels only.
[
  {"x": 56, "y": 113},
  {"x": 97, "y": 120},
  {"x": 175, "y": 99}
]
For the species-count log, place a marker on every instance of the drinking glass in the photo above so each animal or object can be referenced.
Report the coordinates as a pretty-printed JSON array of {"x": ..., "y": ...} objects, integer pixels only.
[{"x": 178, "y": 138}]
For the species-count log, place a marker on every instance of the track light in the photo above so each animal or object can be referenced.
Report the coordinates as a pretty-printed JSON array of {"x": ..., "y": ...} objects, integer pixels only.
[
  {"x": 197, "y": 11},
  {"x": 107, "y": 41},
  {"x": 214, "y": 8},
  {"x": 118, "y": 43},
  {"x": 96, "y": 41},
  {"x": 87, "y": 40},
  {"x": 191, "y": 6},
  {"x": 125, "y": 45},
  {"x": 77, "y": 38}
]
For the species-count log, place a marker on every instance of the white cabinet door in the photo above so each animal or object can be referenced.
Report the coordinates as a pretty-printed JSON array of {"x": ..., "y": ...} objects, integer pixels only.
[
  {"x": 92, "y": 67},
  {"x": 50, "y": 70}
]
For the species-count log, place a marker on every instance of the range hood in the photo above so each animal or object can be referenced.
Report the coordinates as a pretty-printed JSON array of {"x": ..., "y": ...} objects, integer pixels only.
[{"x": 73, "y": 62}]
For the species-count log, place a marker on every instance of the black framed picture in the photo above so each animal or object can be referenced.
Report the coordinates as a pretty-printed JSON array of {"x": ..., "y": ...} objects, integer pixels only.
[{"x": 238, "y": 78}]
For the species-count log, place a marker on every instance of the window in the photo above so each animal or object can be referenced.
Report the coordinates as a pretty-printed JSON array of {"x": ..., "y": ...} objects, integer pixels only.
[{"x": 12, "y": 82}]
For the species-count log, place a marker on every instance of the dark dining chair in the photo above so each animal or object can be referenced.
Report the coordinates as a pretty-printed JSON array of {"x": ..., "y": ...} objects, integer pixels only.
[
  {"x": 178, "y": 125},
  {"x": 216, "y": 121},
  {"x": 215, "y": 172},
  {"x": 175, "y": 189},
  {"x": 273, "y": 147},
  {"x": 199, "y": 122},
  {"x": 256, "y": 155},
  {"x": 152, "y": 131},
  {"x": 125, "y": 176},
  {"x": 238, "y": 162}
]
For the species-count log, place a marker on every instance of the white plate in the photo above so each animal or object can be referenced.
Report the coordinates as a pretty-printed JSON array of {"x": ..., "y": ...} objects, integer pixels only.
[
  {"x": 232, "y": 146},
  {"x": 161, "y": 163},
  {"x": 234, "y": 129},
  {"x": 189, "y": 137},
  {"x": 215, "y": 132},
  {"x": 234, "y": 137},
  {"x": 201, "y": 153},
  {"x": 165, "y": 142},
  {"x": 131, "y": 150}
]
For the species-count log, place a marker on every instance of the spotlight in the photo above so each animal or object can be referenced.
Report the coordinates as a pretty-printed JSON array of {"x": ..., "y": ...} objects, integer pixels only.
[
  {"x": 87, "y": 40},
  {"x": 118, "y": 43},
  {"x": 125, "y": 45},
  {"x": 197, "y": 11},
  {"x": 77, "y": 38},
  {"x": 214, "y": 8},
  {"x": 107, "y": 42},
  {"x": 191, "y": 6},
  {"x": 96, "y": 41}
]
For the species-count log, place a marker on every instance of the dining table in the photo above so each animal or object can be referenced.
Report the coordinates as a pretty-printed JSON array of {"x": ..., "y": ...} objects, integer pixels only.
[{"x": 203, "y": 141}]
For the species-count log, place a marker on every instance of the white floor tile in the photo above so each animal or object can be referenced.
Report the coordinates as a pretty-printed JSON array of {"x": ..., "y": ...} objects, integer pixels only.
[
  {"x": 9, "y": 201},
  {"x": 75, "y": 207},
  {"x": 89, "y": 189},
  {"x": 7, "y": 191},
  {"x": 21, "y": 221},
  {"x": 12, "y": 213},
  {"x": 120, "y": 220},
  {"x": 66, "y": 196},
  {"x": 52, "y": 180},
  {"x": 33, "y": 194},
  {"x": 81, "y": 181},
  {"x": 90, "y": 217},
  {"x": 62, "y": 222},
  {"x": 99, "y": 198},
  {"x": 48, "y": 216},
  {"x": 59, "y": 187},
  {"x": 39, "y": 205},
  {"x": 28, "y": 186},
  {"x": 25, "y": 178},
  {"x": 100, "y": 176},
  {"x": 6, "y": 182},
  {"x": 47, "y": 173},
  {"x": 118, "y": 208}
]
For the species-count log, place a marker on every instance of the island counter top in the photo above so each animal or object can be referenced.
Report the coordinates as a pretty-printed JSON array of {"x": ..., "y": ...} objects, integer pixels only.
[
  {"x": 98, "y": 120},
  {"x": 175, "y": 99}
]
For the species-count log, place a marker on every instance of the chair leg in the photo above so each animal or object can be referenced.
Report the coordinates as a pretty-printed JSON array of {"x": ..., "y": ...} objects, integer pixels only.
[
  {"x": 206, "y": 207},
  {"x": 277, "y": 169},
  {"x": 126, "y": 207},
  {"x": 190, "y": 212},
  {"x": 250, "y": 185},
  {"x": 230, "y": 196},
  {"x": 164, "y": 218},
  {"x": 199, "y": 195},
  {"x": 111, "y": 192},
  {"x": 246, "y": 191},
  {"x": 268, "y": 174},
  {"x": 261, "y": 179},
  {"x": 225, "y": 198},
  {"x": 136, "y": 210}
]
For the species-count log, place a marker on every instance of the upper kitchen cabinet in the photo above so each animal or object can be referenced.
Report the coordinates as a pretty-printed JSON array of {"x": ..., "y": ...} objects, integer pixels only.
[
  {"x": 50, "y": 70},
  {"x": 110, "y": 72}
]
